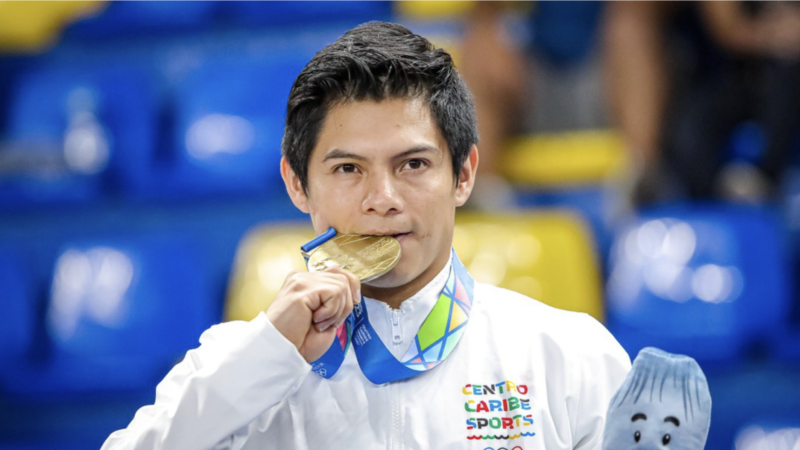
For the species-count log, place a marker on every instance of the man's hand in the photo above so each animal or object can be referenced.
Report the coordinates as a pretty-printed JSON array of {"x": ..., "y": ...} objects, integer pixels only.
[{"x": 311, "y": 306}]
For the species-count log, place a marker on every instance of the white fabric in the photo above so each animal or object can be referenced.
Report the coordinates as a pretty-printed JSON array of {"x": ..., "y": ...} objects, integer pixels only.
[{"x": 247, "y": 387}]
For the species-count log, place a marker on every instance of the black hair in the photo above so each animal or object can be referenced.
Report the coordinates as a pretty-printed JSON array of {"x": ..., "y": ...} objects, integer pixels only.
[{"x": 377, "y": 61}]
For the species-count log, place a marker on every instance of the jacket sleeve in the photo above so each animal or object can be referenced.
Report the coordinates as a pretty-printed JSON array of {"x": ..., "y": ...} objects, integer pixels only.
[
  {"x": 240, "y": 370},
  {"x": 599, "y": 369}
]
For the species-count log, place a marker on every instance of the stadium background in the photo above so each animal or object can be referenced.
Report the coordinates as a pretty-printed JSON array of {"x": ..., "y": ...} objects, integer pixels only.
[{"x": 140, "y": 203}]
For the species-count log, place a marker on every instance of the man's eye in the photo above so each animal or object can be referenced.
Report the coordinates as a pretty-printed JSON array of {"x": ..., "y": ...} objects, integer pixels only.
[
  {"x": 346, "y": 168},
  {"x": 415, "y": 164}
]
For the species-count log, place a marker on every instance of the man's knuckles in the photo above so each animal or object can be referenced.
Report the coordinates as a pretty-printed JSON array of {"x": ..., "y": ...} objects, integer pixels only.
[
  {"x": 295, "y": 281},
  {"x": 298, "y": 280},
  {"x": 348, "y": 308}
]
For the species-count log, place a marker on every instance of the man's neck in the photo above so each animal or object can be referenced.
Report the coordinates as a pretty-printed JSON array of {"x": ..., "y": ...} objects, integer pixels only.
[{"x": 395, "y": 296}]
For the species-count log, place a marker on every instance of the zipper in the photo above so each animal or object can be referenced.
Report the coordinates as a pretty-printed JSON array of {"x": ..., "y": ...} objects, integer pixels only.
[
  {"x": 396, "y": 439},
  {"x": 397, "y": 332}
]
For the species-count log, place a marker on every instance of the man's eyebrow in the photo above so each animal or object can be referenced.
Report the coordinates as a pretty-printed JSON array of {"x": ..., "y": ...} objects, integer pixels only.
[
  {"x": 342, "y": 154},
  {"x": 421, "y": 148},
  {"x": 638, "y": 416},
  {"x": 673, "y": 419}
]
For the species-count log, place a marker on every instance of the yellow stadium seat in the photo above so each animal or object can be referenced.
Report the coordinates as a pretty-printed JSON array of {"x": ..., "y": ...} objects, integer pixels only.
[
  {"x": 32, "y": 26},
  {"x": 264, "y": 258},
  {"x": 565, "y": 159},
  {"x": 546, "y": 255},
  {"x": 438, "y": 9},
  {"x": 432, "y": 10}
]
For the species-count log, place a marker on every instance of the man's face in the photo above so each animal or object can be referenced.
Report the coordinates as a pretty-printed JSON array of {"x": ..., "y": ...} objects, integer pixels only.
[{"x": 384, "y": 168}]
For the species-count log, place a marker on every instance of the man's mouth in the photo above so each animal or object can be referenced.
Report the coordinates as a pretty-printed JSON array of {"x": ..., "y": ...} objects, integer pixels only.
[{"x": 395, "y": 234}]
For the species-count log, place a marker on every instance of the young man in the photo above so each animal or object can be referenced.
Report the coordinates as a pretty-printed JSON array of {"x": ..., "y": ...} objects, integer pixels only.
[{"x": 380, "y": 140}]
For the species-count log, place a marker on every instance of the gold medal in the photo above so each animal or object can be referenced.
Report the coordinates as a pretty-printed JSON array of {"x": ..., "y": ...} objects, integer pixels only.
[{"x": 367, "y": 257}]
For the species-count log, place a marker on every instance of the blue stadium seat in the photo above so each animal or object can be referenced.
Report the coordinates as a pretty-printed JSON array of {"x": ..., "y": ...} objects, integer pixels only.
[
  {"x": 131, "y": 18},
  {"x": 302, "y": 13},
  {"x": 78, "y": 130},
  {"x": 768, "y": 436},
  {"x": 708, "y": 281},
  {"x": 121, "y": 312},
  {"x": 46, "y": 445},
  {"x": 229, "y": 120},
  {"x": 788, "y": 343},
  {"x": 17, "y": 308},
  {"x": 760, "y": 397}
]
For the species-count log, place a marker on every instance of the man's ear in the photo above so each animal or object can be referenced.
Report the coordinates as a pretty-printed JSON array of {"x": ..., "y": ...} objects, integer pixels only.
[
  {"x": 466, "y": 178},
  {"x": 293, "y": 186}
]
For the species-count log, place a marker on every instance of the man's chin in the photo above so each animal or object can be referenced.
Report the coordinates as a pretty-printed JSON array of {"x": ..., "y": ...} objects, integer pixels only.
[{"x": 392, "y": 279}]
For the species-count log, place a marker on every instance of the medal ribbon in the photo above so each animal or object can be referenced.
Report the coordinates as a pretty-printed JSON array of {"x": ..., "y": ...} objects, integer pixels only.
[{"x": 437, "y": 337}]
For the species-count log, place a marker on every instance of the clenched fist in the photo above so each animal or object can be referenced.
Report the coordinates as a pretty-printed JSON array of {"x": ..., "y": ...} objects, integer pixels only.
[{"x": 311, "y": 306}]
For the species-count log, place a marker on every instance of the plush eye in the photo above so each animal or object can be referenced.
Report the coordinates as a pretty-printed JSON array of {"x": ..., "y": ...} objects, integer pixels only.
[
  {"x": 665, "y": 440},
  {"x": 637, "y": 436}
]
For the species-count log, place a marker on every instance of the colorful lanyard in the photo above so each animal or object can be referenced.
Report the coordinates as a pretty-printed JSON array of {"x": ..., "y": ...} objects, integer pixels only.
[{"x": 436, "y": 339}]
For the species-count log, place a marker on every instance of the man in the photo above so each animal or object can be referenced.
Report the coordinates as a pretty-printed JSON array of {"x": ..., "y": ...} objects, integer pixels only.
[{"x": 380, "y": 140}]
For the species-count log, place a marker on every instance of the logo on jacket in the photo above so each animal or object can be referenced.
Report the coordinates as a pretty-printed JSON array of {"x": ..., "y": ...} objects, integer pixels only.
[{"x": 500, "y": 411}]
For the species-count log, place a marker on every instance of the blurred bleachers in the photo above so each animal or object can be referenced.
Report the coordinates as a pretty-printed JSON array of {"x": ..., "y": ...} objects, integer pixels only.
[
  {"x": 140, "y": 202},
  {"x": 693, "y": 279}
]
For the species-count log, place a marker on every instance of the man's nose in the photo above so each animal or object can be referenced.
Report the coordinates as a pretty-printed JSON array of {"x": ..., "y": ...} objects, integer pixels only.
[{"x": 382, "y": 196}]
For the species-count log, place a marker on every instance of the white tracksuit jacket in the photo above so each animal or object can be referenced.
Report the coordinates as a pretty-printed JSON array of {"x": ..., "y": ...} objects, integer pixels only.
[{"x": 525, "y": 376}]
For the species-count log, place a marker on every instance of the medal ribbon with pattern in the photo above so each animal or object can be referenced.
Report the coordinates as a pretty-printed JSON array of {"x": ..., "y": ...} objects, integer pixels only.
[{"x": 437, "y": 337}]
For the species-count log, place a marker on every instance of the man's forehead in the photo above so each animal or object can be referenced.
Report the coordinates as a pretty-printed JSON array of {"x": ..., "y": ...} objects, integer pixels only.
[{"x": 378, "y": 129}]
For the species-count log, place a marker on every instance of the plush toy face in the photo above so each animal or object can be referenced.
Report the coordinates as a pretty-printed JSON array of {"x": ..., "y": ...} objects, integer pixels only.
[
  {"x": 652, "y": 425},
  {"x": 664, "y": 404}
]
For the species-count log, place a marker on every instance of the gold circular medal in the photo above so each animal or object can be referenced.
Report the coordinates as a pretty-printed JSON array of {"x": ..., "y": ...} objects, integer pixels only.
[{"x": 367, "y": 257}]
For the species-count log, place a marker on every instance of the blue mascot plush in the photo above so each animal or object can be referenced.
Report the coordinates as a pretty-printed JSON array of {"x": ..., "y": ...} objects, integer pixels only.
[{"x": 664, "y": 403}]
